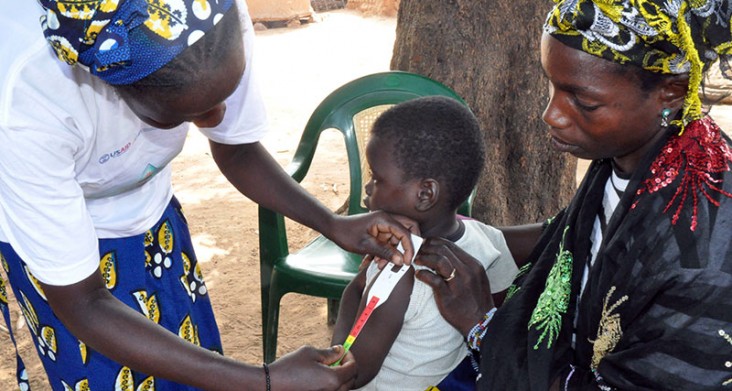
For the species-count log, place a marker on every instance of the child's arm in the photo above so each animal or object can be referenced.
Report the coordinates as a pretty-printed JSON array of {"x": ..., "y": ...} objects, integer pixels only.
[
  {"x": 349, "y": 307},
  {"x": 380, "y": 331}
]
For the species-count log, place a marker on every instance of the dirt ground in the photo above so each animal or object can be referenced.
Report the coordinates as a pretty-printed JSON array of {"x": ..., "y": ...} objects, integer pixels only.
[{"x": 298, "y": 67}]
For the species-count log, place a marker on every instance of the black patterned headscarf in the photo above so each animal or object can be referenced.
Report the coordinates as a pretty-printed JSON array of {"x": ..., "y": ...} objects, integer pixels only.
[
  {"x": 664, "y": 36},
  {"x": 123, "y": 41}
]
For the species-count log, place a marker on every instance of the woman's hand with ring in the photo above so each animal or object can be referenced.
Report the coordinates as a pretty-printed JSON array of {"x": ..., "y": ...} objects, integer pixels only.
[
  {"x": 451, "y": 276},
  {"x": 467, "y": 298}
]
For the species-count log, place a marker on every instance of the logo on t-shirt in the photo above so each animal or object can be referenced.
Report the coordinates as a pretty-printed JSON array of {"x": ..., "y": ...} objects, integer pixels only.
[
  {"x": 119, "y": 152},
  {"x": 105, "y": 158}
]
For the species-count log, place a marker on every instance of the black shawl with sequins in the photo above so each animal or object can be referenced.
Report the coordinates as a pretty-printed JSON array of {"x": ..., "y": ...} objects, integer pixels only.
[{"x": 656, "y": 313}]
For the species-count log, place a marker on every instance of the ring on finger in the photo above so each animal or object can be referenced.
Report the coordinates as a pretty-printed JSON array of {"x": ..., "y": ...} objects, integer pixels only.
[{"x": 452, "y": 275}]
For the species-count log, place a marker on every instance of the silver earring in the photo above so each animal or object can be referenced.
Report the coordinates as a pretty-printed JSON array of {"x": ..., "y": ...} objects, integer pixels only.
[{"x": 665, "y": 113}]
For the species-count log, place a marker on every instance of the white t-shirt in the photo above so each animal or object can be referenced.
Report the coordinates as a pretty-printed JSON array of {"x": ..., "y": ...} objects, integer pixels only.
[
  {"x": 76, "y": 164},
  {"x": 428, "y": 348}
]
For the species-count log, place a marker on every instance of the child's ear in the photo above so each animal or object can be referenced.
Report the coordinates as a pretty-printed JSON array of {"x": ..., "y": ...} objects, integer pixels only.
[{"x": 428, "y": 194}]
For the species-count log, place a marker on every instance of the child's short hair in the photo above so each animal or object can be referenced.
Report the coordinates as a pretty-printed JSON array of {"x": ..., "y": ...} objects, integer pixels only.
[{"x": 435, "y": 137}]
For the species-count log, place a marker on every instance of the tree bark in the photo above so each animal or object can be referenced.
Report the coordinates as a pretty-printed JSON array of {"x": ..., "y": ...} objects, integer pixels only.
[{"x": 488, "y": 52}]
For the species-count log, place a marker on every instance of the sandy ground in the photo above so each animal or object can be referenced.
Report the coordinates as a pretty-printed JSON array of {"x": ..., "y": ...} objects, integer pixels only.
[{"x": 298, "y": 68}]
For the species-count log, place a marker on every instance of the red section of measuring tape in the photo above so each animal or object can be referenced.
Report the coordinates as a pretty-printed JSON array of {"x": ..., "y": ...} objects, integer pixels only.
[{"x": 364, "y": 317}]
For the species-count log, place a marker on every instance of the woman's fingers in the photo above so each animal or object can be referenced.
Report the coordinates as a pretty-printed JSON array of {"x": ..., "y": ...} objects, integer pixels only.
[
  {"x": 459, "y": 281},
  {"x": 388, "y": 232},
  {"x": 309, "y": 369},
  {"x": 346, "y": 371},
  {"x": 445, "y": 258}
]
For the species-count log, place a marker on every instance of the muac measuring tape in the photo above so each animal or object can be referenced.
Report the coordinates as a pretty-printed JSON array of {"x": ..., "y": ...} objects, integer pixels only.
[{"x": 378, "y": 294}]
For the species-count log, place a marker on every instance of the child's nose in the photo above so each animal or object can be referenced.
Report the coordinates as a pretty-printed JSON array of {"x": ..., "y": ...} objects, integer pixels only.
[{"x": 368, "y": 187}]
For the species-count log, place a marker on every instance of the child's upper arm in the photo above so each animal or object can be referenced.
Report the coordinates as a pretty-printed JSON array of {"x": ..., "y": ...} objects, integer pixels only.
[
  {"x": 349, "y": 307},
  {"x": 381, "y": 330}
]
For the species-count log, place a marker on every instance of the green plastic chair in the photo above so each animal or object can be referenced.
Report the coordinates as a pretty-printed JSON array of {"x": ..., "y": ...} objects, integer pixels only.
[{"x": 321, "y": 268}]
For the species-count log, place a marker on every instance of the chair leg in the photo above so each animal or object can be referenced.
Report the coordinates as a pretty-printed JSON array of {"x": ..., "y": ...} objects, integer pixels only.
[
  {"x": 269, "y": 338},
  {"x": 333, "y": 306},
  {"x": 265, "y": 282}
]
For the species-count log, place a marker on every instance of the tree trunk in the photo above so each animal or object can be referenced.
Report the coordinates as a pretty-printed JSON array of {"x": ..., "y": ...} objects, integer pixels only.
[{"x": 488, "y": 52}]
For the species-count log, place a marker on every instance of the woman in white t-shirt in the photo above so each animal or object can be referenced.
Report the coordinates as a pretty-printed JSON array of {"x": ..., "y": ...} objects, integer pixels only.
[{"x": 92, "y": 240}]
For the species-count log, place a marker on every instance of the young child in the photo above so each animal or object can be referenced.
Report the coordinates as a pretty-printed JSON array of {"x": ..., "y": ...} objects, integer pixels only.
[{"x": 425, "y": 156}]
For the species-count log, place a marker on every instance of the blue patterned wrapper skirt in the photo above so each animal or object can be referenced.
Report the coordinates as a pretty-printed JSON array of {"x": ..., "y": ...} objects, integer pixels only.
[{"x": 155, "y": 273}]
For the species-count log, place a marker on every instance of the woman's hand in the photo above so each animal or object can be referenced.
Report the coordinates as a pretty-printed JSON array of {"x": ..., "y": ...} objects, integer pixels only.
[
  {"x": 461, "y": 286},
  {"x": 376, "y": 233},
  {"x": 309, "y": 369}
]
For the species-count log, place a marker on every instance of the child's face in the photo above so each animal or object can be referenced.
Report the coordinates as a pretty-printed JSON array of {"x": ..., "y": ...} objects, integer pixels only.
[{"x": 386, "y": 190}]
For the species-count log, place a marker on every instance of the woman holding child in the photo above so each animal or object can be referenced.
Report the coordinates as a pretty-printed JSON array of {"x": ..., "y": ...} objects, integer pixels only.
[{"x": 630, "y": 286}]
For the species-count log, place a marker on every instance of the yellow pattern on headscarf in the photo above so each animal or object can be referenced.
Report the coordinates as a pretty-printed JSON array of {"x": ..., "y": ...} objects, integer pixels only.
[
  {"x": 124, "y": 41},
  {"x": 611, "y": 10},
  {"x": 663, "y": 36},
  {"x": 95, "y": 27},
  {"x": 692, "y": 103},
  {"x": 165, "y": 19},
  {"x": 85, "y": 9}
]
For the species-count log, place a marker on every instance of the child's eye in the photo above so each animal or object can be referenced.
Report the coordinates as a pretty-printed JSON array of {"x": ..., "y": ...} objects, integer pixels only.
[
  {"x": 371, "y": 176},
  {"x": 586, "y": 106}
]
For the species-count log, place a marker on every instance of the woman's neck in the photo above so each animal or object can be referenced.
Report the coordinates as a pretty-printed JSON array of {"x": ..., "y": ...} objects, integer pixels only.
[{"x": 625, "y": 166}]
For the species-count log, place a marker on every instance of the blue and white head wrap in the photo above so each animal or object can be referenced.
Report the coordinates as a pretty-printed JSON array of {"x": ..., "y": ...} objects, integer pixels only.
[{"x": 123, "y": 41}]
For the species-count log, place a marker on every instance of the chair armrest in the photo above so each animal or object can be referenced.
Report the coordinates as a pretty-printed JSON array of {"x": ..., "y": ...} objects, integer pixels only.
[{"x": 303, "y": 157}]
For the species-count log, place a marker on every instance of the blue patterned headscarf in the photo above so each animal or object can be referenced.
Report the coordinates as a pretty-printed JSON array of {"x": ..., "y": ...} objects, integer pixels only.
[{"x": 123, "y": 41}]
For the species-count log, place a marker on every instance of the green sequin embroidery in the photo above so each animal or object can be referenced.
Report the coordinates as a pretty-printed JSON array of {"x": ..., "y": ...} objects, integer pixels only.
[
  {"x": 554, "y": 301},
  {"x": 525, "y": 269},
  {"x": 515, "y": 288}
]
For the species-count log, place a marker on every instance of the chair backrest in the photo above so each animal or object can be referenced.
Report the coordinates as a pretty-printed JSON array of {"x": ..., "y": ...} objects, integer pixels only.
[{"x": 352, "y": 110}]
